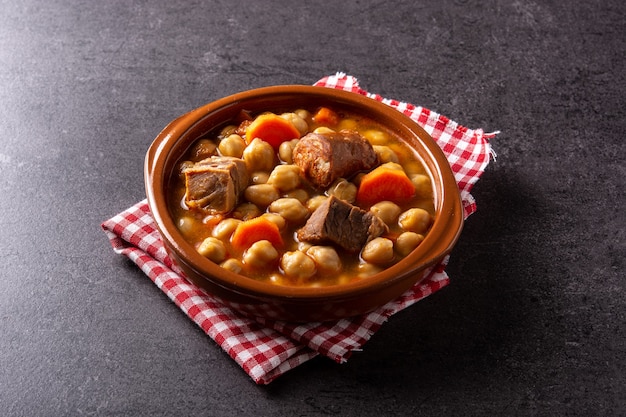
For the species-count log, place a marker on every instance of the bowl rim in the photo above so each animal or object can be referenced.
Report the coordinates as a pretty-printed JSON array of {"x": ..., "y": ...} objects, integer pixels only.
[{"x": 447, "y": 223}]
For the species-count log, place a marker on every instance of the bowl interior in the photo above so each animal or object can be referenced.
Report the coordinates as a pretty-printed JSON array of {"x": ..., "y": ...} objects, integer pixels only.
[{"x": 178, "y": 136}]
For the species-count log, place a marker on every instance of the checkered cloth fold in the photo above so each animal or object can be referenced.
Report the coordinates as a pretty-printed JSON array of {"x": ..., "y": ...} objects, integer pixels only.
[{"x": 266, "y": 349}]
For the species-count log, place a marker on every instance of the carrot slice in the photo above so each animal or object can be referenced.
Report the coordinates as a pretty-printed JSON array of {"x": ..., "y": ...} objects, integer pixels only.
[
  {"x": 272, "y": 129},
  {"x": 385, "y": 183},
  {"x": 326, "y": 116},
  {"x": 253, "y": 230}
]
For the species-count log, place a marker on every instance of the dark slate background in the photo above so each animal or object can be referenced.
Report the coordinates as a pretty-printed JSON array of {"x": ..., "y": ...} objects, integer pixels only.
[{"x": 534, "y": 321}]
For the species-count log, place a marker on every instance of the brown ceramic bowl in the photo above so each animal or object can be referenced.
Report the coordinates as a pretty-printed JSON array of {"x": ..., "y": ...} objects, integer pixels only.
[{"x": 299, "y": 304}]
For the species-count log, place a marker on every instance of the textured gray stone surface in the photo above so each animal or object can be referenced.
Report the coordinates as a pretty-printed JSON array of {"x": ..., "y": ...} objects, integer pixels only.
[{"x": 534, "y": 321}]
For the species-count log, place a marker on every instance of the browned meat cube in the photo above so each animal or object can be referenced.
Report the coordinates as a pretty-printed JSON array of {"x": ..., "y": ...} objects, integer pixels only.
[
  {"x": 215, "y": 183},
  {"x": 324, "y": 157},
  {"x": 342, "y": 224}
]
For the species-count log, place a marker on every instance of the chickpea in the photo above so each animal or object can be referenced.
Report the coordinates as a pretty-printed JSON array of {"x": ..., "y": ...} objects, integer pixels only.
[
  {"x": 290, "y": 208},
  {"x": 343, "y": 190},
  {"x": 323, "y": 130},
  {"x": 378, "y": 251},
  {"x": 386, "y": 154},
  {"x": 212, "y": 219},
  {"x": 413, "y": 168},
  {"x": 347, "y": 124},
  {"x": 259, "y": 177},
  {"x": 246, "y": 211},
  {"x": 233, "y": 265},
  {"x": 387, "y": 211},
  {"x": 415, "y": 220},
  {"x": 285, "y": 177},
  {"x": 313, "y": 203},
  {"x": 407, "y": 241},
  {"x": 304, "y": 114},
  {"x": 260, "y": 254},
  {"x": 299, "y": 194},
  {"x": 277, "y": 279},
  {"x": 285, "y": 150},
  {"x": 259, "y": 156},
  {"x": 365, "y": 270},
  {"x": 277, "y": 219},
  {"x": 227, "y": 131},
  {"x": 347, "y": 278},
  {"x": 213, "y": 249},
  {"x": 232, "y": 145},
  {"x": 376, "y": 137},
  {"x": 225, "y": 228},
  {"x": 186, "y": 225},
  {"x": 297, "y": 121},
  {"x": 261, "y": 194},
  {"x": 298, "y": 265},
  {"x": 423, "y": 186},
  {"x": 203, "y": 149},
  {"x": 358, "y": 178},
  {"x": 325, "y": 257},
  {"x": 393, "y": 165}
]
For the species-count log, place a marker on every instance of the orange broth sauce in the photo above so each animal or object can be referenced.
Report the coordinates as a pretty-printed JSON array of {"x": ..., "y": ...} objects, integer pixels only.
[{"x": 197, "y": 225}]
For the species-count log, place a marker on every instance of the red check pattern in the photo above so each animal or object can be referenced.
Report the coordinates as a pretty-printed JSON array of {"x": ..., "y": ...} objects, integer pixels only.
[{"x": 264, "y": 348}]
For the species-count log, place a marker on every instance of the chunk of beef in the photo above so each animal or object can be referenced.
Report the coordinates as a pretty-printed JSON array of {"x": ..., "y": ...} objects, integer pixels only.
[
  {"x": 215, "y": 183},
  {"x": 342, "y": 224},
  {"x": 324, "y": 157}
]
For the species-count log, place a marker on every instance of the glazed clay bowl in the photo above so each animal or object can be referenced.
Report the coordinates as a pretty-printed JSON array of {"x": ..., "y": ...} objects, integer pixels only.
[{"x": 299, "y": 304}]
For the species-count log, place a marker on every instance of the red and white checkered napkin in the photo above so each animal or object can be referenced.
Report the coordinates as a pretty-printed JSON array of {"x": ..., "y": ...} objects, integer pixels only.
[{"x": 266, "y": 349}]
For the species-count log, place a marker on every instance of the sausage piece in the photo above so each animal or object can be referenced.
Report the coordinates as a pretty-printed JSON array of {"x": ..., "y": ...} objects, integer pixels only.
[{"x": 324, "y": 157}]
